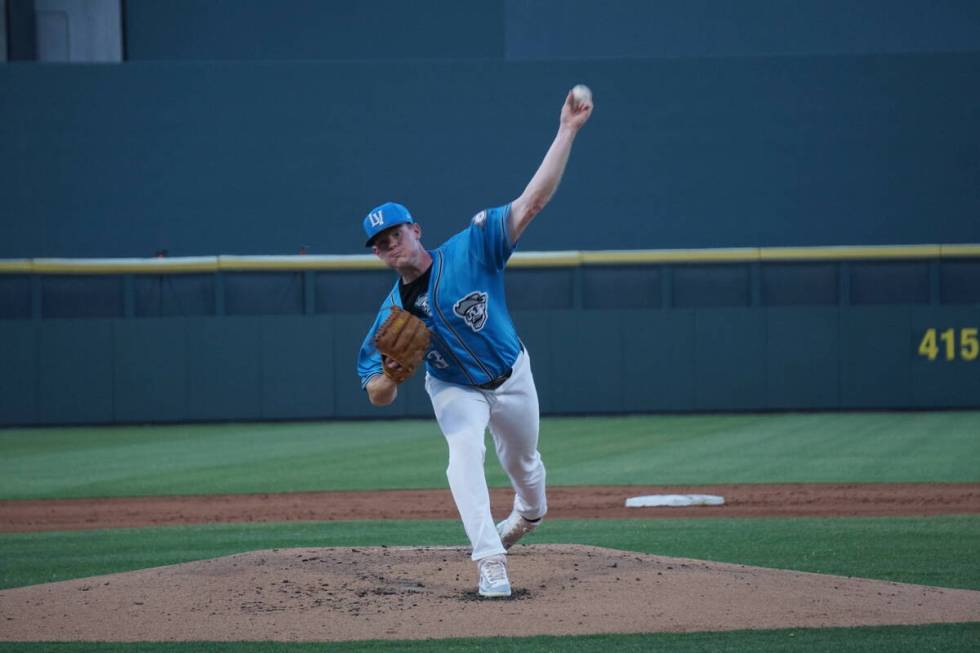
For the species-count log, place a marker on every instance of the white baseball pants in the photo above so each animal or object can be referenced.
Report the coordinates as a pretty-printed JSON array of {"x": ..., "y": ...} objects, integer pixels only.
[{"x": 511, "y": 412}]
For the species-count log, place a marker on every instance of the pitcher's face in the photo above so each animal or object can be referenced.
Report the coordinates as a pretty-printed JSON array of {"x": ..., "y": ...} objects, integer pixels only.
[{"x": 398, "y": 246}]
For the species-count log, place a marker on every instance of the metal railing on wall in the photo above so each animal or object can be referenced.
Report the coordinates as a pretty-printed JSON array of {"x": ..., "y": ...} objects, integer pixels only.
[
  {"x": 681, "y": 278},
  {"x": 573, "y": 258}
]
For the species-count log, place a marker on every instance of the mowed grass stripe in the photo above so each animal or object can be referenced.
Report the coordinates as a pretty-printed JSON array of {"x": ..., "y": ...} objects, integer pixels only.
[
  {"x": 949, "y": 638},
  {"x": 678, "y": 449},
  {"x": 938, "y": 551},
  {"x": 211, "y": 458}
]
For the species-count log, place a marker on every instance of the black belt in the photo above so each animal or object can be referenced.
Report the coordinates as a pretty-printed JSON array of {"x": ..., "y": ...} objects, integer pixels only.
[
  {"x": 496, "y": 383},
  {"x": 499, "y": 381}
]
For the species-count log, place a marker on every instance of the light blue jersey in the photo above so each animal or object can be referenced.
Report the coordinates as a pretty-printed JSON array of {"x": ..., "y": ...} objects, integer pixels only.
[{"x": 473, "y": 336}]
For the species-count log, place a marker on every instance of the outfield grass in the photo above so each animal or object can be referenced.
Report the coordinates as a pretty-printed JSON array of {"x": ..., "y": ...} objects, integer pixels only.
[
  {"x": 938, "y": 551},
  {"x": 948, "y": 638},
  {"x": 203, "y": 459},
  {"x": 687, "y": 449}
]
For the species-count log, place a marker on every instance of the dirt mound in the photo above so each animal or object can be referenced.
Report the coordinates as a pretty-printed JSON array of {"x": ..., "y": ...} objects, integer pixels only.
[
  {"x": 403, "y": 593},
  {"x": 585, "y": 502}
]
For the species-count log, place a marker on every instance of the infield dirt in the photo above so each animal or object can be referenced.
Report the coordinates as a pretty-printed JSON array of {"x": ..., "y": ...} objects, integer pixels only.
[
  {"x": 578, "y": 502},
  {"x": 412, "y": 593}
]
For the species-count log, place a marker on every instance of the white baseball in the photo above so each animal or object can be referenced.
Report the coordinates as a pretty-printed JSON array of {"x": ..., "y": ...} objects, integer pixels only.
[{"x": 581, "y": 94}]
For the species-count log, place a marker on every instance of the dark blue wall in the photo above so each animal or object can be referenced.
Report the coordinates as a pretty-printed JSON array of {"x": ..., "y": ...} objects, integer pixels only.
[
  {"x": 679, "y": 337},
  {"x": 313, "y": 29},
  {"x": 557, "y": 29},
  {"x": 257, "y": 127},
  {"x": 254, "y": 157},
  {"x": 542, "y": 29},
  {"x": 709, "y": 359}
]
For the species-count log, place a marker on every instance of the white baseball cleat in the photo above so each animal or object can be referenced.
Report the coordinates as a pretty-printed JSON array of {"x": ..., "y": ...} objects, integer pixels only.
[
  {"x": 493, "y": 576},
  {"x": 514, "y": 528}
]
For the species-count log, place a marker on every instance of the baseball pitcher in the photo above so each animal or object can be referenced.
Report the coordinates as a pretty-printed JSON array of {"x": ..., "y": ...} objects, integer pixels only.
[{"x": 448, "y": 310}]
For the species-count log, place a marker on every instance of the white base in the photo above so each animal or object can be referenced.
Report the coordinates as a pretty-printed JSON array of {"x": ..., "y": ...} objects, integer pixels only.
[{"x": 674, "y": 500}]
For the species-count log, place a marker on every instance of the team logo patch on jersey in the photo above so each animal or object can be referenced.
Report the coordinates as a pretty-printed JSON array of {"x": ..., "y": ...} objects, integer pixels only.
[
  {"x": 473, "y": 309},
  {"x": 480, "y": 219},
  {"x": 422, "y": 303}
]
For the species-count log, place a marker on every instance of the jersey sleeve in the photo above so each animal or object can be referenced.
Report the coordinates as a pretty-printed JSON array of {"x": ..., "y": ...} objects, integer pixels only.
[
  {"x": 488, "y": 237},
  {"x": 369, "y": 358}
]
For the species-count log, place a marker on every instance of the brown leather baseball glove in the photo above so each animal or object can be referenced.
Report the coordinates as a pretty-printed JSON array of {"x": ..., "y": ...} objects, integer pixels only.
[{"x": 403, "y": 338}]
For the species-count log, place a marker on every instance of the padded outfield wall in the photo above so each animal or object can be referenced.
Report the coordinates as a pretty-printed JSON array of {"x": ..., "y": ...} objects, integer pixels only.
[
  {"x": 252, "y": 127},
  {"x": 242, "y": 340}
]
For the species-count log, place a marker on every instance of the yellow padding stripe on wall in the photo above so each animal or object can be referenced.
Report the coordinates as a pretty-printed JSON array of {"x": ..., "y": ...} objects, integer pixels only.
[
  {"x": 305, "y": 262},
  {"x": 849, "y": 253},
  {"x": 640, "y": 256},
  {"x": 16, "y": 266},
  {"x": 125, "y": 265},
  {"x": 959, "y": 251},
  {"x": 561, "y": 259}
]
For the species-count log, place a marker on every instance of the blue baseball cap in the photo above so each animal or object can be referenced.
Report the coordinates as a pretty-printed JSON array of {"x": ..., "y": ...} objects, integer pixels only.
[{"x": 389, "y": 214}]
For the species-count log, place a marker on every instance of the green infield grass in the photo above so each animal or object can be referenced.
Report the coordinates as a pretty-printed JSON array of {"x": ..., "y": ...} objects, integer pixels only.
[
  {"x": 662, "y": 450},
  {"x": 947, "y": 638},
  {"x": 938, "y": 551}
]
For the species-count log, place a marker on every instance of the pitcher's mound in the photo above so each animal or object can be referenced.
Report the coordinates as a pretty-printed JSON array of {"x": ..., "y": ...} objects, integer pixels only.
[{"x": 388, "y": 593}]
